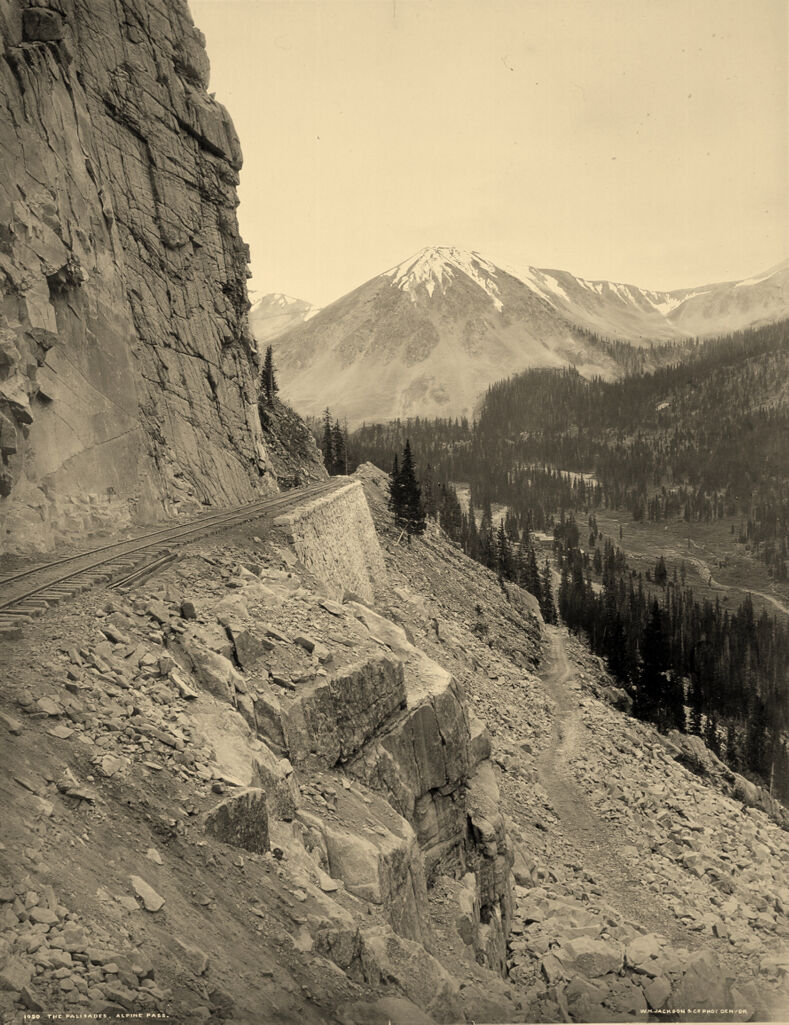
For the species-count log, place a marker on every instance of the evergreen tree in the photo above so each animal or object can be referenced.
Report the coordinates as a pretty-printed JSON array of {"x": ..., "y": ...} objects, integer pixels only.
[
  {"x": 450, "y": 515},
  {"x": 732, "y": 752},
  {"x": 487, "y": 543},
  {"x": 531, "y": 574},
  {"x": 711, "y": 738},
  {"x": 659, "y": 697},
  {"x": 413, "y": 511},
  {"x": 339, "y": 450},
  {"x": 654, "y": 663},
  {"x": 270, "y": 386},
  {"x": 405, "y": 495},
  {"x": 471, "y": 543},
  {"x": 328, "y": 441},
  {"x": 547, "y": 607},
  {"x": 505, "y": 565}
]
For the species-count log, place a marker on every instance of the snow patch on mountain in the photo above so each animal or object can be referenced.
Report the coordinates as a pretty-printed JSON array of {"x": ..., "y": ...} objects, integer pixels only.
[
  {"x": 436, "y": 265},
  {"x": 771, "y": 273}
]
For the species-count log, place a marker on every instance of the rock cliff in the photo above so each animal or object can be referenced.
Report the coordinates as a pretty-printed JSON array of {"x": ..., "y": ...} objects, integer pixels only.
[{"x": 127, "y": 374}]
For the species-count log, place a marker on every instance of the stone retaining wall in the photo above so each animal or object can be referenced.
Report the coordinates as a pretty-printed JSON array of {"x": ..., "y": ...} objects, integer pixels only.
[{"x": 335, "y": 538}]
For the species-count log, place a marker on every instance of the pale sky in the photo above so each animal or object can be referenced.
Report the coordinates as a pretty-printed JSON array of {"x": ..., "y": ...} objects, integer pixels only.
[{"x": 643, "y": 141}]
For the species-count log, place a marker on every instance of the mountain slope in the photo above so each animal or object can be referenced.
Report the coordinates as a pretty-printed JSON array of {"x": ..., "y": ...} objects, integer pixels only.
[
  {"x": 427, "y": 336},
  {"x": 641, "y": 314},
  {"x": 424, "y": 338}
]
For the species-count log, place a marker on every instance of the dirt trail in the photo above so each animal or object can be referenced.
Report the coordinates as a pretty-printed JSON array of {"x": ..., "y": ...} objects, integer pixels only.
[{"x": 583, "y": 836}]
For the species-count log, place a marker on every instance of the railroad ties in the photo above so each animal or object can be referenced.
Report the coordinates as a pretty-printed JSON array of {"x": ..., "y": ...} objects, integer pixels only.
[
  {"x": 29, "y": 594},
  {"x": 22, "y": 611}
]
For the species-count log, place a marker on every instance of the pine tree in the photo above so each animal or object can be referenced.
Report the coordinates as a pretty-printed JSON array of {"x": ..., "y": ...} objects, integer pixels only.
[
  {"x": 547, "y": 606},
  {"x": 504, "y": 561},
  {"x": 531, "y": 574},
  {"x": 270, "y": 386},
  {"x": 711, "y": 738},
  {"x": 471, "y": 542},
  {"x": 328, "y": 442},
  {"x": 655, "y": 662},
  {"x": 732, "y": 747},
  {"x": 411, "y": 510},
  {"x": 487, "y": 542},
  {"x": 450, "y": 514},
  {"x": 564, "y": 594},
  {"x": 339, "y": 450}
]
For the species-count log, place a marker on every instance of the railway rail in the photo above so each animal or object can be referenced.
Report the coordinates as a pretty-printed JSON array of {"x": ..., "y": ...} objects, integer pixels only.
[{"x": 29, "y": 593}]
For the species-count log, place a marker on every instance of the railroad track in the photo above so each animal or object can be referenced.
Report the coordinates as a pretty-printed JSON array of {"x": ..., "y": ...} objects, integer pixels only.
[{"x": 29, "y": 593}]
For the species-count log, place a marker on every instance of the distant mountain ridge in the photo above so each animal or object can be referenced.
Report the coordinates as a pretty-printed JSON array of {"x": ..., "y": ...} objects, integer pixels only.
[
  {"x": 638, "y": 314},
  {"x": 426, "y": 337},
  {"x": 275, "y": 313}
]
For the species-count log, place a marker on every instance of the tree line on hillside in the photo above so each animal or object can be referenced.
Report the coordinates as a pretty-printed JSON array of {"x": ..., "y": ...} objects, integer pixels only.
[
  {"x": 701, "y": 440},
  {"x": 691, "y": 665},
  {"x": 697, "y": 440},
  {"x": 506, "y": 549}
]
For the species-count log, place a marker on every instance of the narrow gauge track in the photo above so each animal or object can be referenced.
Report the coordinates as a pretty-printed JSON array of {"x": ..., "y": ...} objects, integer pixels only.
[{"x": 30, "y": 593}]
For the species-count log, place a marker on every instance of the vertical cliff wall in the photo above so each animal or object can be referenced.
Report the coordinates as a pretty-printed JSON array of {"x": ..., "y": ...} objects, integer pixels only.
[{"x": 127, "y": 375}]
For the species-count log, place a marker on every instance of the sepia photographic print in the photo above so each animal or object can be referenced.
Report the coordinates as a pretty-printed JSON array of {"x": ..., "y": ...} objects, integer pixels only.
[{"x": 394, "y": 504}]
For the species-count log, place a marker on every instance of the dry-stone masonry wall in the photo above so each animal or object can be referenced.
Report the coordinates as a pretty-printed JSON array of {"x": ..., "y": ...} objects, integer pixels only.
[
  {"x": 335, "y": 538},
  {"x": 127, "y": 374}
]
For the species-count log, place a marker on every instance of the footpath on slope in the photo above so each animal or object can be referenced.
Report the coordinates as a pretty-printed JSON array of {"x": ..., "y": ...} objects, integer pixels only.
[
  {"x": 580, "y": 832},
  {"x": 658, "y": 882}
]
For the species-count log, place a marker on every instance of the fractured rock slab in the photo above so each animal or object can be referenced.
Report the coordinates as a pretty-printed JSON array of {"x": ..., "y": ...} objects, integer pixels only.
[
  {"x": 241, "y": 820},
  {"x": 331, "y": 719},
  {"x": 374, "y": 851}
]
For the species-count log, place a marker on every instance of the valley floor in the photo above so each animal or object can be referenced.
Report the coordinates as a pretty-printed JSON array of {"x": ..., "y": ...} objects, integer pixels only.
[{"x": 717, "y": 566}]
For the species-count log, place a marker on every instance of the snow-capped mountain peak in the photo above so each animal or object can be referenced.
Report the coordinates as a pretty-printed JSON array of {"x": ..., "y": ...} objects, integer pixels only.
[{"x": 438, "y": 265}]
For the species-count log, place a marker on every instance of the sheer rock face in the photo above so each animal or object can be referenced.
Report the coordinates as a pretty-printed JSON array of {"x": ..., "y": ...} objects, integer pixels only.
[{"x": 127, "y": 374}]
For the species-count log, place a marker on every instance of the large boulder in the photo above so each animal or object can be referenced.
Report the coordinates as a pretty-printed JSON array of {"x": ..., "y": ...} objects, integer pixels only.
[
  {"x": 330, "y": 719},
  {"x": 391, "y": 960},
  {"x": 374, "y": 851},
  {"x": 424, "y": 753},
  {"x": 276, "y": 776},
  {"x": 703, "y": 984},
  {"x": 427, "y": 763},
  {"x": 213, "y": 670},
  {"x": 241, "y": 820},
  {"x": 382, "y": 630},
  {"x": 693, "y": 753}
]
